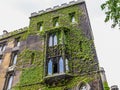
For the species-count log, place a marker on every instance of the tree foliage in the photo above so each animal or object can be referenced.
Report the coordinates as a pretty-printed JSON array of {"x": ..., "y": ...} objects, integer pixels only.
[{"x": 112, "y": 11}]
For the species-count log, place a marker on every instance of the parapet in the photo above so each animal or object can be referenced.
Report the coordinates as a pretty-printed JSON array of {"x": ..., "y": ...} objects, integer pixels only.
[
  {"x": 8, "y": 34},
  {"x": 56, "y": 7},
  {"x": 114, "y": 87}
]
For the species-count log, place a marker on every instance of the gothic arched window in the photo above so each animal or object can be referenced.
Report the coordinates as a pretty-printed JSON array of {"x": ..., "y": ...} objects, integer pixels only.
[
  {"x": 61, "y": 65},
  {"x": 55, "y": 40},
  {"x": 50, "y": 40},
  {"x": 15, "y": 59},
  {"x": 50, "y": 67}
]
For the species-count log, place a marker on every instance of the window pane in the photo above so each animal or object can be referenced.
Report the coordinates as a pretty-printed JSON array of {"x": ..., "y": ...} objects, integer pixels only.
[
  {"x": 73, "y": 19},
  {"x": 55, "y": 40},
  {"x": 3, "y": 48},
  {"x": 50, "y": 41},
  {"x": 14, "y": 59},
  {"x": 10, "y": 83},
  {"x": 61, "y": 65},
  {"x": 66, "y": 61},
  {"x": 56, "y": 24},
  {"x": 50, "y": 67},
  {"x": 41, "y": 28},
  {"x": 18, "y": 43}
]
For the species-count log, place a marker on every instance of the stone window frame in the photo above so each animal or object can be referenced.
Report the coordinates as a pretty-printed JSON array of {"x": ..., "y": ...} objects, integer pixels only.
[
  {"x": 17, "y": 42},
  {"x": 71, "y": 16},
  {"x": 40, "y": 26},
  {"x": 56, "y": 21},
  {"x": 12, "y": 57},
  {"x": 7, "y": 78}
]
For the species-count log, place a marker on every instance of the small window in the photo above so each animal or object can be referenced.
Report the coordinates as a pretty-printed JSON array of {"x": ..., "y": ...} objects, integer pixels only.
[
  {"x": 3, "y": 47},
  {"x": 15, "y": 59},
  {"x": 17, "y": 42},
  {"x": 55, "y": 22},
  {"x": 61, "y": 65},
  {"x": 72, "y": 17},
  {"x": 0, "y": 59},
  {"x": 10, "y": 81},
  {"x": 40, "y": 26},
  {"x": 50, "y": 67}
]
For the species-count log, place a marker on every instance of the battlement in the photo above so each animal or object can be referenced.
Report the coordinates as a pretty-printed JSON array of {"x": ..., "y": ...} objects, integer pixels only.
[
  {"x": 56, "y": 8},
  {"x": 13, "y": 32}
]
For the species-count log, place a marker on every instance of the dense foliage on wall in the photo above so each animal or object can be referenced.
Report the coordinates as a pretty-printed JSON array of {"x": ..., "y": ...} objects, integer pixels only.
[{"x": 78, "y": 47}]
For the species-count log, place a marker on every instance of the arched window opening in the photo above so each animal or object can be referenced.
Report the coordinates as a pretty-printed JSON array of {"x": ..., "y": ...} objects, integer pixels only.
[
  {"x": 41, "y": 28},
  {"x": 73, "y": 19},
  {"x": 56, "y": 24},
  {"x": 15, "y": 59},
  {"x": 50, "y": 41},
  {"x": 61, "y": 65},
  {"x": 55, "y": 40},
  {"x": 50, "y": 67}
]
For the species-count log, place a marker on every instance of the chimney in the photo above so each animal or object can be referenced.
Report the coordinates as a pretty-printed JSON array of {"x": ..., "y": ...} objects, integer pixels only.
[{"x": 5, "y": 32}]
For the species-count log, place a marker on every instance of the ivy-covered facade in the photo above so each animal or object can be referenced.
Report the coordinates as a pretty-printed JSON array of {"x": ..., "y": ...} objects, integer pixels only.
[{"x": 56, "y": 52}]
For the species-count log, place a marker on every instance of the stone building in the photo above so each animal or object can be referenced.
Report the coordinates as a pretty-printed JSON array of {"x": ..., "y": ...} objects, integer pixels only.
[{"x": 55, "y": 52}]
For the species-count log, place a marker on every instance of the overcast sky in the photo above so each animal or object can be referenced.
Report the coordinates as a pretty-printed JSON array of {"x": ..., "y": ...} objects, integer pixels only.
[{"x": 14, "y": 14}]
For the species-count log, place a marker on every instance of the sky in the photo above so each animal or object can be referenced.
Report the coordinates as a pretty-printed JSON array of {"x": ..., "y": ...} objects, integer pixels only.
[{"x": 14, "y": 14}]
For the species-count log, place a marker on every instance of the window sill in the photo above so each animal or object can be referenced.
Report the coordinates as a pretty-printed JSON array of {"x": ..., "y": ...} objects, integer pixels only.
[{"x": 54, "y": 78}]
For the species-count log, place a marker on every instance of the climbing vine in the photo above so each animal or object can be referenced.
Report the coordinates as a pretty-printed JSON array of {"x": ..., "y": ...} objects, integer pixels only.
[{"x": 78, "y": 48}]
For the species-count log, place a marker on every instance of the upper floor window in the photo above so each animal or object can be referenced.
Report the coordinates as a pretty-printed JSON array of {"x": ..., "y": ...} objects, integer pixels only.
[
  {"x": 2, "y": 47},
  {"x": 72, "y": 17},
  {"x": 17, "y": 42},
  {"x": 40, "y": 26},
  {"x": 55, "y": 22},
  {"x": 0, "y": 59},
  {"x": 53, "y": 40},
  {"x": 13, "y": 59}
]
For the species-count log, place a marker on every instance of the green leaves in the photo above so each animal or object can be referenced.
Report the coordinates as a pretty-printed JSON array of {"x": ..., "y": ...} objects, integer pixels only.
[{"x": 112, "y": 11}]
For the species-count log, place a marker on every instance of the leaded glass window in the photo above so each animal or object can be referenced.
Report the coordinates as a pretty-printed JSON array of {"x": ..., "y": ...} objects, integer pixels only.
[
  {"x": 61, "y": 65},
  {"x": 50, "y": 67}
]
